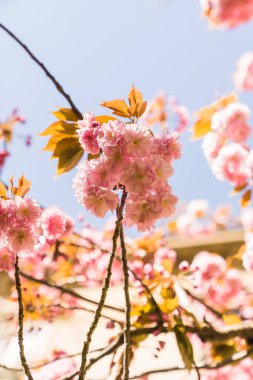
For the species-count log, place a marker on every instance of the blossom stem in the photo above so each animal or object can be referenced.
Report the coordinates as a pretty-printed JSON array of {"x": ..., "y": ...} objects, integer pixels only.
[
  {"x": 127, "y": 337},
  {"x": 43, "y": 67},
  {"x": 21, "y": 324},
  {"x": 105, "y": 288}
]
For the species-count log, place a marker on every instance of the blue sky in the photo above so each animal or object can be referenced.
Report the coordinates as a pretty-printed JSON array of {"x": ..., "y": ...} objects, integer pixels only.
[{"x": 96, "y": 49}]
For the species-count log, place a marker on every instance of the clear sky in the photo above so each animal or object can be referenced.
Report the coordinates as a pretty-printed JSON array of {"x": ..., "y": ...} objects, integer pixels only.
[{"x": 96, "y": 49}]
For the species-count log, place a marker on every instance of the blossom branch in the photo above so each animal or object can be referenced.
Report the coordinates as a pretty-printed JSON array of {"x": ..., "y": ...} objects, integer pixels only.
[
  {"x": 231, "y": 360},
  {"x": 66, "y": 291},
  {"x": 158, "y": 310},
  {"x": 105, "y": 288},
  {"x": 20, "y": 323},
  {"x": 199, "y": 300},
  {"x": 43, "y": 67},
  {"x": 128, "y": 306}
]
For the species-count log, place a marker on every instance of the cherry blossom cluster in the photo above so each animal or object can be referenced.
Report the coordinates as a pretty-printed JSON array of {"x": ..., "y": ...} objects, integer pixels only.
[
  {"x": 129, "y": 155},
  {"x": 247, "y": 222},
  {"x": 26, "y": 228},
  {"x": 215, "y": 281},
  {"x": 225, "y": 147},
  {"x": 227, "y": 13},
  {"x": 165, "y": 111},
  {"x": 243, "y": 77},
  {"x": 197, "y": 218}
]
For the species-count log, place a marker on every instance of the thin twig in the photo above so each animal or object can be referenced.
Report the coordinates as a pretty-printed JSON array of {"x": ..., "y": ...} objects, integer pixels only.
[
  {"x": 20, "y": 323},
  {"x": 43, "y": 67},
  {"x": 105, "y": 288},
  {"x": 202, "y": 302},
  {"x": 159, "y": 312},
  {"x": 67, "y": 291},
  {"x": 128, "y": 307},
  {"x": 228, "y": 361}
]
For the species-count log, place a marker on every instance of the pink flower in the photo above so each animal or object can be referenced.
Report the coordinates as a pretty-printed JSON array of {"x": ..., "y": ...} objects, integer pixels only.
[
  {"x": 243, "y": 78},
  {"x": 53, "y": 224},
  {"x": 227, "y": 13},
  {"x": 226, "y": 291},
  {"x": 7, "y": 257},
  {"x": 232, "y": 122},
  {"x": 168, "y": 147},
  {"x": 99, "y": 200},
  {"x": 247, "y": 259},
  {"x": 211, "y": 145},
  {"x": 230, "y": 164},
  {"x": 142, "y": 211},
  {"x": 100, "y": 173},
  {"x": 137, "y": 141},
  {"x": 110, "y": 134},
  {"x": 21, "y": 238},
  {"x": 198, "y": 208},
  {"x": 3, "y": 155},
  {"x": 27, "y": 210},
  {"x": 208, "y": 266},
  {"x": 87, "y": 132},
  {"x": 137, "y": 177},
  {"x": 167, "y": 201}
]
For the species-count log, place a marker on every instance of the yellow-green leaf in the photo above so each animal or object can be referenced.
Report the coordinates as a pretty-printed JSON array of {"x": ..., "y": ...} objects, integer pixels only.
[
  {"x": 101, "y": 119},
  {"x": 185, "y": 347},
  {"x": 66, "y": 114},
  {"x": 66, "y": 144},
  {"x": 3, "y": 191},
  {"x": 204, "y": 117},
  {"x": 67, "y": 161},
  {"x": 246, "y": 198},
  {"x": 118, "y": 106}
]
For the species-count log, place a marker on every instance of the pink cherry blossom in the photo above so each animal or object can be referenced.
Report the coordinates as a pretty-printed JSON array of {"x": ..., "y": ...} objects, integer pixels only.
[
  {"x": 232, "y": 122},
  {"x": 27, "y": 209},
  {"x": 211, "y": 145},
  {"x": 21, "y": 238},
  {"x": 208, "y": 266},
  {"x": 227, "y": 13},
  {"x": 87, "y": 132},
  {"x": 99, "y": 200},
  {"x": 137, "y": 141},
  {"x": 53, "y": 224},
  {"x": 230, "y": 164},
  {"x": 243, "y": 78},
  {"x": 7, "y": 257}
]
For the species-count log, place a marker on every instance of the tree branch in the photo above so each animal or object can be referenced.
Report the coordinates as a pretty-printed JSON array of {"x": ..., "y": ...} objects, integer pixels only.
[
  {"x": 43, "y": 67},
  {"x": 20, "y": 323},
  {"x": 128, "y": 306},
  {"x": 230, "y": 360},
  {"x": 67, "y": 291},
  {"x": 105, "y": 288}
]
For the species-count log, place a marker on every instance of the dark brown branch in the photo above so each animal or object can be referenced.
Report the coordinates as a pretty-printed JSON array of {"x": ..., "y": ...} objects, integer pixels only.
[
  {"x": 199, "y": 300},
  {"x": 158, "y": 310},
  {"x": 127, "y": 339},
  {"x": 43, "y": 67},
  {"x": 105, "y": 288},
  {"x": 228, "y": 361},
  {"x": 20, "y": 323},
  {"x": 67, "y": 291}
]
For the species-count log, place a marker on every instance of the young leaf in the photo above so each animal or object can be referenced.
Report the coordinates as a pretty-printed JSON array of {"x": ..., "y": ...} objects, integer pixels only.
[
  {"x": 246, "y": 198},
  {"x": 185, "y": 348},
  {"x": 23, "y": 186},
  {"x": 119, "y": 107},
  {"x": 104, "y": 119},
  {"x": 69, "y": 159},
  {"x": 3, "y": 191},
  {"x": 204, "y": 117},
  {"x": 66, "y": 114}
]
